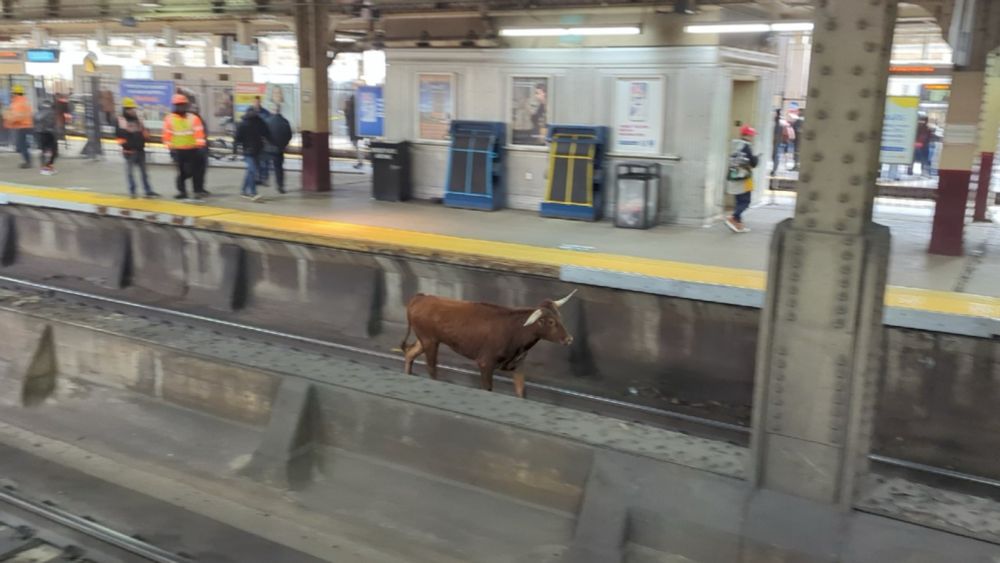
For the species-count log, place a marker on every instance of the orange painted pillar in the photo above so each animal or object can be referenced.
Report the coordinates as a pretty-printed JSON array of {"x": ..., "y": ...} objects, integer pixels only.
[{"x": 955, "y": 171}]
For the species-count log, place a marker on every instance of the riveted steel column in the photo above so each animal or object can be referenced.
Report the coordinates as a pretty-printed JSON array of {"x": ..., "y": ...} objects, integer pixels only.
[
  {"x": 312, "y": 30},
  {"x": 821, "y": 326}
]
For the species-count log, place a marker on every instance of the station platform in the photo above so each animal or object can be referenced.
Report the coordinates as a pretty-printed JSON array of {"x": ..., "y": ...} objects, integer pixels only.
[{"x": 709, "y": 263}]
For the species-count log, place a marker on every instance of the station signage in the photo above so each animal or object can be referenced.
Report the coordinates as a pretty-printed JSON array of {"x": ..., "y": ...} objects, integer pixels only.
[
  {"x": 920, "y": 70},
  {"x": 11, "y": 55},
  {"x": 42, "y": 55},
  {"x": 935, "y": 93},
  {"x": 899, "y": 130},
  {"x": 370, "y": 111}
]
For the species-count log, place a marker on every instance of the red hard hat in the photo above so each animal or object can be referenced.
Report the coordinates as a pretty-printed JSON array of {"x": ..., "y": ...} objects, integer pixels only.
[
  {"x": 179, "y": 99},
  {"x": 747, "y": 131}
]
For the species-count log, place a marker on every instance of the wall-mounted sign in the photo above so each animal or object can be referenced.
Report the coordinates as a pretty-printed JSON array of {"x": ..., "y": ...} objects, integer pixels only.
[
  {"x": 899, "y": 130},
  {"x": 638, "y": 122},
  {"x": 935, "y": 93},
  {"x": 11, "y": 55},
  {"x": 436, "y": 105},
  {"x": 240, "y": 54},
  {"x": 43, "y": 55},
  {"x": 919, "y": 69},
  {"x": 529, "y": 109},
  {"x": 152, "y": 97},
  {"x": 370, "y": 111}
]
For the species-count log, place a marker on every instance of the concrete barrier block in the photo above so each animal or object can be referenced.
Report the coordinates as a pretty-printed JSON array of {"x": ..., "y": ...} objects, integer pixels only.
[
  {"x": 7, "y": 239},
  {"x": 119, "y": 259},
  {"x": 38, "y": 369},
  {"x": 288, "y": 455}
]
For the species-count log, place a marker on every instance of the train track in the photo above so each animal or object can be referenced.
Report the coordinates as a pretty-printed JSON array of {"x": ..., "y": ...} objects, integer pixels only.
[
  {"x": 40, "y": 531},
  {"x": 663, "y": 418}
]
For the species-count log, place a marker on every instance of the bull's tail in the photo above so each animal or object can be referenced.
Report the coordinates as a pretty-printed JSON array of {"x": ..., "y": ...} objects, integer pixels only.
[{"x": 404, "y": 346}]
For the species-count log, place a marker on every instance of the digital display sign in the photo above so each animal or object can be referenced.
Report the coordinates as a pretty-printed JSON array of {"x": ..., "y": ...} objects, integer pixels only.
[{"x": 43, "y": 55}]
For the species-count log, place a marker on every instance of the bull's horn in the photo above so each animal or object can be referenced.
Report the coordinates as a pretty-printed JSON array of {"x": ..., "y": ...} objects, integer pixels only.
[
  {"x": 535, "y": 315},
  {"x": 563, "y": 301}
]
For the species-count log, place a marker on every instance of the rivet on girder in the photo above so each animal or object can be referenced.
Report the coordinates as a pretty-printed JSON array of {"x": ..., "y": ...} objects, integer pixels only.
[
  {"x": 817, "y": 157},
  {"x": 793, "y": 290},
  {"x": 842, "y": 360},
  {"x": 818, "y": 48},
  {"x": 852, "y": 212},
  {"x": 779, "y": 376},
  {"x": 847, "y": 255},
  {"x": 805, "y": 177},
  {"x": 843, "y": 197},
  {"x": 814, "y": 92},
  {"x": 844, "y": 283},
  {"x": 839, "y": 323},
  {"x": 862, "y": 24},
  {"x": 800, "y": 237},
  {"x": 841, "y": 226},
  {"x": 865, "y": 93},
  {"x": 855, "y": 180},
  {"x": 859, "y": 137},
  {"x": 830, "y": 25},
  {"x": 822, "y": 114},
  {"x": 826, "y": 70},
  {"x": 870, "y": 47},
  {"x": 847, "y": 158},
  {"x": 857, "y": 70},
  {"x": 811, "y": 223},
  {"x": 810, "y": 135},
  {"x": 842, "y": 296},
  {"x": 791, "y": 317}
]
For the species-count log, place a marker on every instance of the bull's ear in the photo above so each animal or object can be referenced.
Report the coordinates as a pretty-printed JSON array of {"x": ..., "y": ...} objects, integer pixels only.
[
  {"x": 563, "y": 301},
  {"x": 535, "y": 315}
]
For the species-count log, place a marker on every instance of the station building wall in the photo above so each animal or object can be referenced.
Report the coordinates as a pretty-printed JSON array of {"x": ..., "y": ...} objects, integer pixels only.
[{"x": 696, "y": 122}]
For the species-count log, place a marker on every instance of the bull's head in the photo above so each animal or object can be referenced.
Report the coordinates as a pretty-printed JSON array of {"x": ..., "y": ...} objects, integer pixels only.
[{"x": 548, "y": 322}]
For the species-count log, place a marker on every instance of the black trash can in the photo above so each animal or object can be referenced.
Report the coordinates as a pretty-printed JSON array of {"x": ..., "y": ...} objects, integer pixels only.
[
  {"x": 390, "y": 170},
  {"x": 637, "y": 194}
]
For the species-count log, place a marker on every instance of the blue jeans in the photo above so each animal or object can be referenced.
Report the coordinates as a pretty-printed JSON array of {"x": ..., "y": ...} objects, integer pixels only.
[
  {"x": 21, "y": 144},
  {"x": 263, "y": 168},
  {"x": 133, "y": 161},
  {"x": 742, "y": 203},
  {"x": 250, "y": 179}
]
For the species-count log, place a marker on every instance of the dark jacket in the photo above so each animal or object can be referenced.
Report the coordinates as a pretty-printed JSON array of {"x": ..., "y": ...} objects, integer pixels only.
[
  {"x": 352, "y": 132},
  {"x": 131, "y": 134},
  {"x": 45, "y": 119},
  {"x": 281, "y": 134},
  {"x": 252, "y": 133}
]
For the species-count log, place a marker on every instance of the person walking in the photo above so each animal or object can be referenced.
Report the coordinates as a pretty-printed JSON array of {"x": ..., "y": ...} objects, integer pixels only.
[
  {"x": 184, "y": 136},
  {"x": 46, "y": 128},
  {"x": 61, "y": 108},
  {"x": 274, "y": 148},
  {"x": 352, "y": 128},
  {"x": 263, "y": 171},
  {"x": 739, "y": 182},
  {"x": 132, "y": 135},
  {"x": 251, "y": 135},
  {"x": 18, "y": 118}
]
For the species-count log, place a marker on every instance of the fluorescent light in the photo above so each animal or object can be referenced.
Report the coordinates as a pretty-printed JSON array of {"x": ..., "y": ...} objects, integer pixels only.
[
  {"x": 749, "y": 27},
  {"x": 560, "y": 31},
  {"x": 345, "y": 40},
  {"x": 792, "y": 26},
  {"x": 729, "y": 28}
]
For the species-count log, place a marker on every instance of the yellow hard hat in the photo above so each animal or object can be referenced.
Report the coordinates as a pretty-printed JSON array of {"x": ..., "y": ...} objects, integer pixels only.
[
  {"x": 18, "y": 89},
  {"x": 129, "y": 103}
]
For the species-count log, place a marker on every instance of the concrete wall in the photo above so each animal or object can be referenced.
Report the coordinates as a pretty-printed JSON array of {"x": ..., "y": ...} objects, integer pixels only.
[
  {"x": 663, "y": 352},
  {"x": 697, "y": 84}
]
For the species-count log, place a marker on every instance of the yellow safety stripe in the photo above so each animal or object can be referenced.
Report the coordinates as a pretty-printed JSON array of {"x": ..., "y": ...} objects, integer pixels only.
[{"x": 515, "y": 257}]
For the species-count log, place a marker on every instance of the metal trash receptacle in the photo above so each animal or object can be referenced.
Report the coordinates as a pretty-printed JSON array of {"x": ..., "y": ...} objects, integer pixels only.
[
  {"x": 390, "y": 170},
  {"x": 637, "y": 194}
]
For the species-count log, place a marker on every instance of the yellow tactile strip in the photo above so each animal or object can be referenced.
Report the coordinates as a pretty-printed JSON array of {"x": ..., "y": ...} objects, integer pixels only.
[{"x": 521, "y": 258}]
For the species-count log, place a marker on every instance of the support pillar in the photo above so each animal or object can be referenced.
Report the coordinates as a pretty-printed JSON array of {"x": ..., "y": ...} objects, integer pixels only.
[
  {"x": 821, "y": 327},
  {"x": 312, "y": 32},
  {"x": 989, "y": 131},
  {"x": 957, "y": 156}
]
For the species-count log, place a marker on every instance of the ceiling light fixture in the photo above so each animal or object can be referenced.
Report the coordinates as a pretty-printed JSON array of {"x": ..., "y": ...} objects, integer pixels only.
[
  {"x": 561, "y": 31},
  {"x": 748, "y": 27}
]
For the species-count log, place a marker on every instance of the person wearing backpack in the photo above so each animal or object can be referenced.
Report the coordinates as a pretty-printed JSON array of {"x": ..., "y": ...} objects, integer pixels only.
[{"x": 739, "y": 179}]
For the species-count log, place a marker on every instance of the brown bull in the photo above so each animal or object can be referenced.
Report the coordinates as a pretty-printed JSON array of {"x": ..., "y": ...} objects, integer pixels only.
[{"x": 494, "y": 337}]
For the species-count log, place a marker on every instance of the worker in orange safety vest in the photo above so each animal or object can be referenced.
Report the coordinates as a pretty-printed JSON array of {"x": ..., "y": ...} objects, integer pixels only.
[
  {"x": 19, "y": 118},
  {"x": 184, "y": 135}
]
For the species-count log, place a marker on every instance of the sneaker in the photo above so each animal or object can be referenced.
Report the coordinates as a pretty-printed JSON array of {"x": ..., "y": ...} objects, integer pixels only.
[
  {"x": 181, "y": 196},
  {"x": 204, "y": 193},
  {"x": 257, "y": 198},
  {"x": 151, "y": 195},
  {"x": 282, "y": 191},
  {"x": 247, "y": 196},
  {"x": 733, "y": 224},
  {"x": 744, "y": 228}
]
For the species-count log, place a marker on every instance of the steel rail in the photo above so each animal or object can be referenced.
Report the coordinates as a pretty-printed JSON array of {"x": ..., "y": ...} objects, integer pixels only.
[{"x": 89, "y": 528}]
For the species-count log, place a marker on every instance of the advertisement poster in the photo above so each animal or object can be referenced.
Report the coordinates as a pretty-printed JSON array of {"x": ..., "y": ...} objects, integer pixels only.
[
  {"x": 899, "y": 129},
  {"x": 437, "y": 106},
  {"x": 638, "y": 115},
  {"x": 529, "y": 110},
  {"x": 271, "y": 97},
  {"x": 152, "y": 97},
  {"x": 370, "y": 111}
]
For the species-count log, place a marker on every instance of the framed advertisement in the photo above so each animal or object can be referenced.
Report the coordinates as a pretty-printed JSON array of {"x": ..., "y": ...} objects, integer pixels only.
[
  {"x": 638, "y": 115},
  {"x": 899, "y": 129},
  {"x": 530, "y": 100},
  {"x": 436, "y": 105}
]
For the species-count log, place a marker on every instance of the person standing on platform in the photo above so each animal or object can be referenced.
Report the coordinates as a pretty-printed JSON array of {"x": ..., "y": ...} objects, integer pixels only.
[
  {"x": 184, "y": 136},
  {"x": 61, "y": 107},
  {"x": 132, "y": 136},
  {"x": 778, "y": 148},
  {"x": 352, "y": 128},
  {"x": 274, "y": 148},
  {"x": 45, "y": 127},
  {"x": 18, "y": 118},
  {"x": 263, "y": 171},
  {"x": 739, "y": 182},
  {"x": 251, "y": 135}
]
